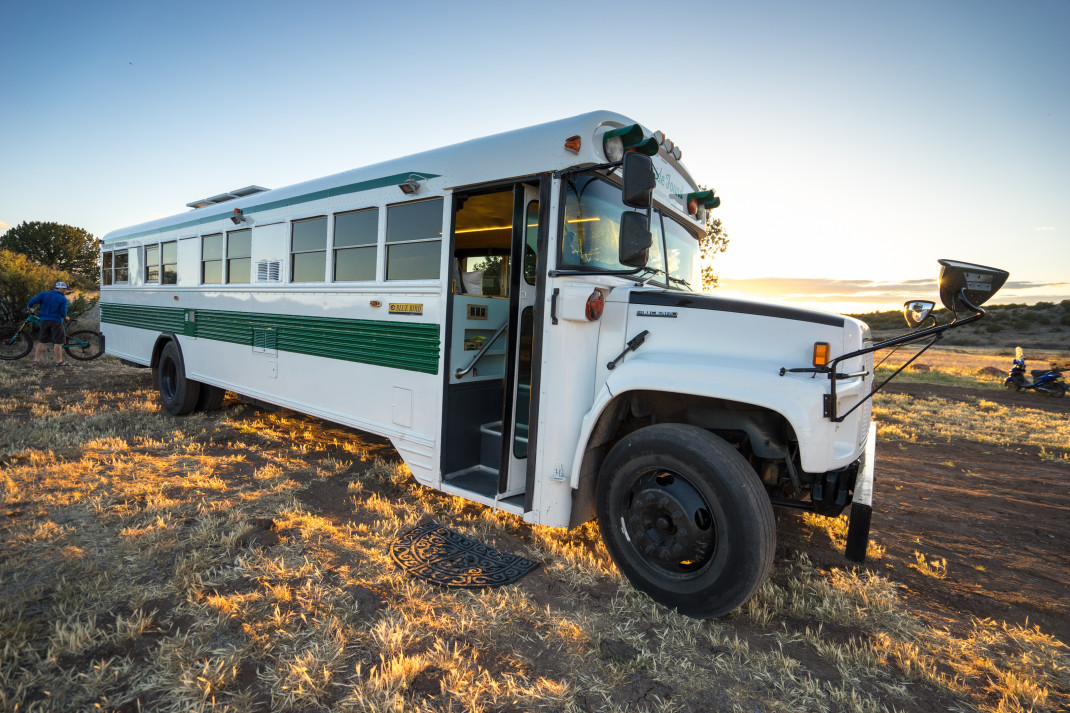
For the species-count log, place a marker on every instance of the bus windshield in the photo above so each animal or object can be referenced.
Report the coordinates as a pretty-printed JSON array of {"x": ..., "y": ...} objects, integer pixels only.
[
  {"x": 682, "y": 250},
  {"x": 592, "y": 230}
]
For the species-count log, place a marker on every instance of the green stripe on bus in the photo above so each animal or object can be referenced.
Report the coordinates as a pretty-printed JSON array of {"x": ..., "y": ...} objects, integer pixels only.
[
  {"x": 399, "y": 345},
  {"x": 284, "y": 202}
]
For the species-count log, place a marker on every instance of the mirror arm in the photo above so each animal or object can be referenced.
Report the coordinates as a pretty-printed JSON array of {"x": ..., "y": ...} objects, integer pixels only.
[
  {"x": 915, "y": 336},
  {"x": 936, "y": 333},
  {"x": 830, "y": 399}
]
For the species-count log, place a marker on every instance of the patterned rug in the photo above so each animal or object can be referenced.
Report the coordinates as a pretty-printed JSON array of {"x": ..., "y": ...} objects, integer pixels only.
[{"x": 441, "y": 556}]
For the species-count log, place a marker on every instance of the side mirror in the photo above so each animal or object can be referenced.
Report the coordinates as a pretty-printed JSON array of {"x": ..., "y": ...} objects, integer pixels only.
[
  {"x": 639, "y": 180},
  {"x": 917, "y": 311},
  {"x": 975, "y": 283},
  {"x": 635, "y": 239}
]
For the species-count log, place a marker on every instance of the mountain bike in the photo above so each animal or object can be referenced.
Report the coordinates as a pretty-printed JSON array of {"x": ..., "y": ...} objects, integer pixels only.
[{"x": 16, "y": 341}]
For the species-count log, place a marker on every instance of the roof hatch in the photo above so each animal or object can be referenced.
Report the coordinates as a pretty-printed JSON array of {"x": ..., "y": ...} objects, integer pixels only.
[{"x": 224, "y": 197}]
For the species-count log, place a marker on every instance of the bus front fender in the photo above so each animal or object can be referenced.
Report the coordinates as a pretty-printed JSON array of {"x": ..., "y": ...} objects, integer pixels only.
[{"x": 799, "y": 401}]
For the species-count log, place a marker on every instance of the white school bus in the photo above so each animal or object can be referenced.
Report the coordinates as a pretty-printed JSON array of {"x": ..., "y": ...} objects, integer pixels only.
[{"x": 520, "y": 316}]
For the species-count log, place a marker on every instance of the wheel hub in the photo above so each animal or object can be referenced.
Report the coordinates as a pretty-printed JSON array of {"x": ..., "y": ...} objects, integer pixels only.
[{"x": 669, "y": 522}]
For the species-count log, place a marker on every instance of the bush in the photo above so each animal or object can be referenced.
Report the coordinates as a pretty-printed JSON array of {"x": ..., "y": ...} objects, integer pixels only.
[
  {"x": 22, "y": 278},
  {"x": 1065, "y": 321}
]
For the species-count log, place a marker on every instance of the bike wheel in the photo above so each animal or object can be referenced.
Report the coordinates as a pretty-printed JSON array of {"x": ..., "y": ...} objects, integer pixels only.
[
  {"x": 84, "y": 344},
  {"x": 14, "y": 344}
]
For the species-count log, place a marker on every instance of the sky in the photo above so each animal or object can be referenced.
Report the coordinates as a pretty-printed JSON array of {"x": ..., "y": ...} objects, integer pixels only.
[{"x": 852, "y": 143}]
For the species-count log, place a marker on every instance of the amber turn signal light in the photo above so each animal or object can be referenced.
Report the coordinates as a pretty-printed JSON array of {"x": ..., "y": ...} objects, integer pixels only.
[
  {"x": 821, "y": 353},
  {"x": 595, "y": 304}
]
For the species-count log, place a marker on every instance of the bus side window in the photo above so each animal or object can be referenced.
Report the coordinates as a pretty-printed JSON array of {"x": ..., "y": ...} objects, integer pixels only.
[
  {"x": 413, "y": 240},
  {"x": 308, "y": 250},
  {"x": 356, "y": 237}
]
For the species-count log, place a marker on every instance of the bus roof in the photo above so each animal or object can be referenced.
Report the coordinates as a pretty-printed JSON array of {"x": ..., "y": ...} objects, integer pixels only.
[{"x": 521, "y": 152}]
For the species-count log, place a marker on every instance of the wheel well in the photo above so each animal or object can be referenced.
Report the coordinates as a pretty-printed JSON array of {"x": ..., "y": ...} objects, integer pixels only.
[
  {"x": 759, "y": 433},
  {"x": 157, "y": 348}
]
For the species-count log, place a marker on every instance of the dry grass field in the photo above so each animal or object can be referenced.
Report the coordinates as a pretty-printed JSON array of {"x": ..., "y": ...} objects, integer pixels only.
[{"x": 239, "y": 561}]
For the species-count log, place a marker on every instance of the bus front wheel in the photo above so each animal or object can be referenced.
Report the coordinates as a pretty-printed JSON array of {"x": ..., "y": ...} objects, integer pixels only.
[
  {"x": 178, "y": 393},
  {"x": 686, "y": 519}
]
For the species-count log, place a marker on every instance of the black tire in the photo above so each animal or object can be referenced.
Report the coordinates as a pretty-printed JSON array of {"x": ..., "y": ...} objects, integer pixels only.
[
  {"x": 94, "y": 344},
  {"x": 210, "y": 398},
  {"x": 13, "y": 343},
  {"x": 179, "y": 394},
  {"x": 1058, "y": 390},
  {"x": 686, "y": 519}
]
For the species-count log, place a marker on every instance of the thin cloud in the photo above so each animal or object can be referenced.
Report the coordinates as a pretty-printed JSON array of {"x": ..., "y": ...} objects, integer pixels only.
[
  {"x": 1045, "y": 227},
  {"x": 872, "y": 295},
  {"x": 4, "y": 227}
]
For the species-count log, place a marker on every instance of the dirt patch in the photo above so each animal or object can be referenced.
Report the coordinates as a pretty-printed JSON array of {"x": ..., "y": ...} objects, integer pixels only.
[
  {"x": 257, "y": 546},
  {"x": 996, "y": 516}
]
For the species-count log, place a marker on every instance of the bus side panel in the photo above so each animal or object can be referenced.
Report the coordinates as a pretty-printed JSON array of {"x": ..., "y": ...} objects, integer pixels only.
[
  {"x": 398, "y": 404},
  {"x": 129, "y": 343}
]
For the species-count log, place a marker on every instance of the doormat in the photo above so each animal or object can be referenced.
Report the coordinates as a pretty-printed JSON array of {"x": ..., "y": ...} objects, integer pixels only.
[{"x": 441, "y": 556}]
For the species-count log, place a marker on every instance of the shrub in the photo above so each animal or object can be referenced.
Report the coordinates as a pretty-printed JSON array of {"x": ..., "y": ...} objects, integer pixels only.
[{"x": 22, "y": 278}]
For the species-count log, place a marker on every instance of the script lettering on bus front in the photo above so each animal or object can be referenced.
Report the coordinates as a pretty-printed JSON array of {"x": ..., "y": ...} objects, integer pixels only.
[{"x": 405, "y": 308}]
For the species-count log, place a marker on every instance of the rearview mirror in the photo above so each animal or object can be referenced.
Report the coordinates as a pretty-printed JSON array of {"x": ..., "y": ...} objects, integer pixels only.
[
  {"x": 964, "y": 286},
  {"x": 639, "y": 180},
  {"x": 635, "y": 239},
  {"x": 917, "y": 311}
]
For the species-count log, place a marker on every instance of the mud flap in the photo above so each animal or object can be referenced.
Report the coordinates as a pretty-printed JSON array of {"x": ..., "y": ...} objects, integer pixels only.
[{"x": 862, "y": 504}]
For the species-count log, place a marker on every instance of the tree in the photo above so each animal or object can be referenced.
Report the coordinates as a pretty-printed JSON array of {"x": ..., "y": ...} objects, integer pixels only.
[
  {"x": 714, "y": 243},
  {"x": 22, "y": 278},
  {"x": 59, "y": 247}
]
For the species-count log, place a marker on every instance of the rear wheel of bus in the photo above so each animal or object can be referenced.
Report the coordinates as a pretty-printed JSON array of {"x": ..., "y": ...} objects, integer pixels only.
[
  {"x": 178, "y": 393},
  {"x": 686, "y": 519}
]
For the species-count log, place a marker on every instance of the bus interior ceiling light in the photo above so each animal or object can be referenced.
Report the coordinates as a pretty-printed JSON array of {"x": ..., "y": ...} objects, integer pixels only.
[{"x": 410, "y": 185}]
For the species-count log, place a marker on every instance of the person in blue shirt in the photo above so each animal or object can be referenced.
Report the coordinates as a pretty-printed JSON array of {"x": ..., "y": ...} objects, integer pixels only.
[{"x": 53, "y": 314}]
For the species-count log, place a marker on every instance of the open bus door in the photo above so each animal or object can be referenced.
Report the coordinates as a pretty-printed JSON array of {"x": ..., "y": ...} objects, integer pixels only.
[{"x": 490, "y": 328}]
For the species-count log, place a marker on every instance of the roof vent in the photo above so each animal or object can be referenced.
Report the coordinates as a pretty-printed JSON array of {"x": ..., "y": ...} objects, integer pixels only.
[{"x": 224, "y": 197}]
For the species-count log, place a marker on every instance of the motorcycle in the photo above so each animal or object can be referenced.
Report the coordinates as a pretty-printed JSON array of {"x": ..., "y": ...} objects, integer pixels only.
[{"x": 1047, "y": 381}]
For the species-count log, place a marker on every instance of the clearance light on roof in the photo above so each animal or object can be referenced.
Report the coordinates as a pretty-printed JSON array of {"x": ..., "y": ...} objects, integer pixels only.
[
  {"x": 627, "y": 138},
  {"x": 573, "y": 143},
  {"x": 670, "y": 148}
]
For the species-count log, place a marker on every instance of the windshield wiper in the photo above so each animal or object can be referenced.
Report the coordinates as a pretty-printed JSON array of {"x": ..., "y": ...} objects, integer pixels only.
[{"x": 681, "y": 281}]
